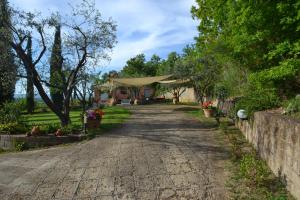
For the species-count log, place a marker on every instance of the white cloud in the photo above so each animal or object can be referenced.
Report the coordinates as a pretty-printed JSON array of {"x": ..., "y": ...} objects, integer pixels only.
[{"x": 143, "y": 25}]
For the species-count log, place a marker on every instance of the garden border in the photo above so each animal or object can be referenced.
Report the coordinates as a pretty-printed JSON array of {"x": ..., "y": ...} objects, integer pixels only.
[
  {"x": 277, "y": 140},
  {"x": 10, "y": 142}
]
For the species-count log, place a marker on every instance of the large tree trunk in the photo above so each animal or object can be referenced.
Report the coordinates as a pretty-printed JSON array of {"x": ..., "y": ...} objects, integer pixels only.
[
  {"x": 29, "y": 86},
  {"x": 29, "y": 94}
]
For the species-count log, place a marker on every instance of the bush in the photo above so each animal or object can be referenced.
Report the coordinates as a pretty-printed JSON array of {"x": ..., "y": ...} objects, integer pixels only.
[
  {"x": 293, "y": 106},
  {"x": 41, "y": 107},
  {"x": 71, "y": 129},
  {"x": 13, "y": 128},
  {"x": 21, "y": 146},
  {"x": 11, "y": 112},
  {"x": 49, "y": 128},
  {"x": 258, "y": 100},
  {"x": 221, "y": 92}
]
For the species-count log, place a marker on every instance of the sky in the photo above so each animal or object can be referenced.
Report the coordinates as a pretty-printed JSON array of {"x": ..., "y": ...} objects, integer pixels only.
[{"x": 144, "y": 26}]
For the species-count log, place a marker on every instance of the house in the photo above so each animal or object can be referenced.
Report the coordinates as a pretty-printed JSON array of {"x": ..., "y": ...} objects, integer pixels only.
[{"x": 137, "y": 90}]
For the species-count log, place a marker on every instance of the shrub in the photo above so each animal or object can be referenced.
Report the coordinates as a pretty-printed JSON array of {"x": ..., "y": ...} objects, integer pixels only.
[
  {"x": 49, "y": 128},
  {"x": 2, "y": 150},
  {"x": 293, "y": 105},
  {"x": 21, "y": 146},
  {"x": 11, "y": 112},
  {"x": 22, "y": 104},
  {"x": 221, "y": 92},
  {"x": 13, "y": 128},
  {"x": 258, "y": 100},
  {"x": 71, "y": 129}
]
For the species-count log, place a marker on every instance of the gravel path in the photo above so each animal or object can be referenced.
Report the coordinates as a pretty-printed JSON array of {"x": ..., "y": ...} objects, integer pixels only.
[{"x": 160, "y": 153}]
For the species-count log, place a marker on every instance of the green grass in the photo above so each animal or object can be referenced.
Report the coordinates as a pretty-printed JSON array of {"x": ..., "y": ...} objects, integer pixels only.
[
  {"x": 113, "y": 116},
  {"x": 198, "y": 113},
  {"x": 296, "y": 116},
  {"x": 249, "y": 176},
  {"x": 50, "y": 118},
  {"x": 183, "y": 103}
]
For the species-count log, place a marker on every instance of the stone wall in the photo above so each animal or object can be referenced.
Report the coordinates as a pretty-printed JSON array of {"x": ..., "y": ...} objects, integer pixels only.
[
  {"x": 8, "y": 142},
  {"x": 277, "y": 139}
]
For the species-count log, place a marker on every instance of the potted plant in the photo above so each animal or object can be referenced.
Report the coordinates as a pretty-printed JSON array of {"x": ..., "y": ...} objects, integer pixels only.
[
  {"x": 94, "y": 118},
  {"x": 208, "y": 109}
]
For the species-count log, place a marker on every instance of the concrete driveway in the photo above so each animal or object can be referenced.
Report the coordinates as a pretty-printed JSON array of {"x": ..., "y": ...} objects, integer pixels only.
[{"x": 160, "y": 153}]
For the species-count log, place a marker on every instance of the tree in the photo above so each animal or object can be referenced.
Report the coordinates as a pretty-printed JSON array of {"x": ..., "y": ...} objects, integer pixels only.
[
  {"x": 8, "y": 69},
  {"x": 84, "y": 88},
  {"x": 138, "y": 67},
  {"x": 87, "y": 38},
  {"x": 167, "y": 66},
  {"x": 203, "y": 70},
  {"x": 260, "y": 36},
  {"x": 106, "y": 76},
  {"x": 134, "y": 67},
  {"x": 56, "y": 75},
  {"x": 29, "y": 85},
  {"x": 150, "y": 67},
  {"x": 172, "y": 66}
]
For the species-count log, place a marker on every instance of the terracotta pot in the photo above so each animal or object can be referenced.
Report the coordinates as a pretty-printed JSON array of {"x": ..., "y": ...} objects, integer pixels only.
[
  {"x": 35, "y": 131},
  {"x": 93, "y": 123},
  {"x": 208, "y": 112},
  {"x": 59, "y": 133}
]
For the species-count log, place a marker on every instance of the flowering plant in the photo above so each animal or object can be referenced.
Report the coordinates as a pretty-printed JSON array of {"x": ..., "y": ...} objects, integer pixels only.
[
  {"x": 94, "y": 114},
  {"x": 207, "y": 105}
]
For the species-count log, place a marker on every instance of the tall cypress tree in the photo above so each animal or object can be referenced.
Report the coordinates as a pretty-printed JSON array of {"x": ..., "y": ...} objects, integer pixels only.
[
  {"x": 30, "y": 88},
  {"x": 8, "y": 69},
  {"x": 56, "y": 76}
]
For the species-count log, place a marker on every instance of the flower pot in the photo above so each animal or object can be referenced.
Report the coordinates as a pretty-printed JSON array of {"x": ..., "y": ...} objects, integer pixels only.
[
  {"x": 208, "y": 112},
  {"x": 93, "y": 123}
]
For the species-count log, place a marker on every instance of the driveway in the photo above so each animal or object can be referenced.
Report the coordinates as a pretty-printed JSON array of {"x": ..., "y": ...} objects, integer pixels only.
[{"x": 160, "y": 153}]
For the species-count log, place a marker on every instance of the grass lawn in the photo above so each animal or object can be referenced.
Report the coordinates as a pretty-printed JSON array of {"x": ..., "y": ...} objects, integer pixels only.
[
  {"x": 207, "y": 122},
  {"x": 113, "y": 116}
]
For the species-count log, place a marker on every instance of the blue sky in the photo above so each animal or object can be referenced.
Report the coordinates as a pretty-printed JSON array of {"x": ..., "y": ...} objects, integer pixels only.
[{"x": 144, "y": 26}]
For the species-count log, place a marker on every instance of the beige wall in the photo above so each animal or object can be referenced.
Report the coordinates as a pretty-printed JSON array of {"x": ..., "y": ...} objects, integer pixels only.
[
  {"x": 277, "y": 140},
  {"x": 187, "y": 96}
]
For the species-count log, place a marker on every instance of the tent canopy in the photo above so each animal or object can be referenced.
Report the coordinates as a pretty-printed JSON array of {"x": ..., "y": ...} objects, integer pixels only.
[
  {"x": 178, "y": 81},
  {"x": 138, "y": 82}
]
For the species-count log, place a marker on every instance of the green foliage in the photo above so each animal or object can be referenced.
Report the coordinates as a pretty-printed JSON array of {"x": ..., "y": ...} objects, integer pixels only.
[
  {"x": 11, "y": 112},
  {"x": 138, "y": 67},
  {"x": 293, "y": 106},
  {"x": 254, "y": 170},
  {"x": 20, "y": 146},
  {"x": 2, "y": 150},
  {"x": 13, "y": 128},
  {"x": 258, "y": 100},
  {"x": 49, "y": 128},
  {"x": 56, "y": 74},
  {"x": 259, "y": 36},
  {"x": 168, "y": 66},
  {"x": 8, "y": 69},
  {"x": 221, "y": 92},
  {"x": 250, "y": 177},
  {"x": 71, "y": 129},
  {"x": 286, "y": 70}
]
